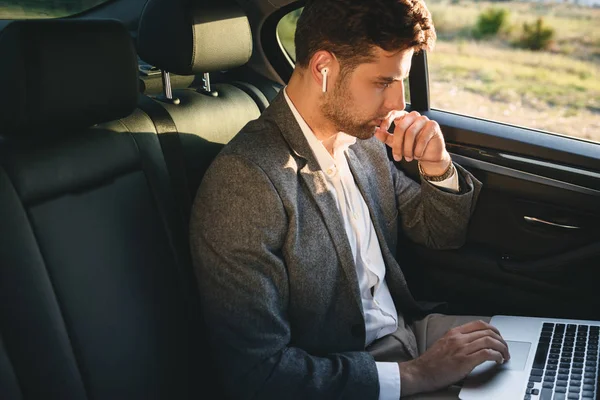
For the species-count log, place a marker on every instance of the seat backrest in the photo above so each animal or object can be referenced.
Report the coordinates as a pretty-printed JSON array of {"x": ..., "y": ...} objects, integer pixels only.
[
  {"x": 96, "y": 294},
  {"x": 192, "y": 38}
]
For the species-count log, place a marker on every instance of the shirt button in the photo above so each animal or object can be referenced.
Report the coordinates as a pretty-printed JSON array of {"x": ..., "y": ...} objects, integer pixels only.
[
  {"x": 355, "y": 215},
  {"x": 330, "y": 171}
]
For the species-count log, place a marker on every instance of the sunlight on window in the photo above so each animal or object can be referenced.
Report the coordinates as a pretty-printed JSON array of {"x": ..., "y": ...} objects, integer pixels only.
[
  {"x": 286, "y": 30},
  {"x": 533, "y": 64}
]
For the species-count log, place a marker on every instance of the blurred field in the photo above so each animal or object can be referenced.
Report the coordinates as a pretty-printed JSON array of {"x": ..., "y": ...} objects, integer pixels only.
[
  {"x": 577, "y": 30},
  {"x": 15, "y": 9},
  {"x": 557, "y": 90},
  {"x": 533, "y": 89},
  {"x": 286, "y": 30}
]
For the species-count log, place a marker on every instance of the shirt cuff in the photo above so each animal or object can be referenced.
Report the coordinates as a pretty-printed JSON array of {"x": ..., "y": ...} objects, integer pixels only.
[
  {"x": 450, "y": 183},
  {"x": 389, "y": 380}
]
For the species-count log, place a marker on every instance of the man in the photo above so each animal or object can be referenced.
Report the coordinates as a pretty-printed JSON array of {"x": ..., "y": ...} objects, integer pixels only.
[{"x": 294, "y": 226}]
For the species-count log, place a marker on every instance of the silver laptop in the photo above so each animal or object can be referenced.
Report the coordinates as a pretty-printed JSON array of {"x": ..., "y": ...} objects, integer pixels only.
[{"x": 550, "y": 359}]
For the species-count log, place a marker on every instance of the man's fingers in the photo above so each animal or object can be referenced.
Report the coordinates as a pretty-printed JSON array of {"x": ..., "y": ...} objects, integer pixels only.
[
  {"x": 481, "y": 333},
  {"x": 384, "y": 136},
  {"x": 476, "y": 326},
  {"x": 473, "y": 336},
  {"x": 412, "y": 133},
  {"x": 412, "y": 136},
  {"x": 387, "y": 122},
  {"x": 401, "y": 125},
  {"x": 397, "y": 143},
  {"x": 381, "y": 134},
  {"x": 484, "y": 355},
  {"x": 487, "y": 342},
  {"x": 405, "y": 120},
  {"x": 429, "y": 132},
  {"x": 477, "y": 330},
  {"x": 382, "y": 131}
]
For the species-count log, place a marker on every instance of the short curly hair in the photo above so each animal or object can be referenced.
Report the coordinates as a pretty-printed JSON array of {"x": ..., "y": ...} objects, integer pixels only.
[{"x": 351, "y": 29}]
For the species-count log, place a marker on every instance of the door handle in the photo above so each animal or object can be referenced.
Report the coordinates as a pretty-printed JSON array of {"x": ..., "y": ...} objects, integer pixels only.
[{"x": 537, "y": 221}]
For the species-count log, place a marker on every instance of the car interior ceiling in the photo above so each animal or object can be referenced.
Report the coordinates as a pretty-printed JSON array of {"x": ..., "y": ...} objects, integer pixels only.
[{"x": 106, "y": 130}]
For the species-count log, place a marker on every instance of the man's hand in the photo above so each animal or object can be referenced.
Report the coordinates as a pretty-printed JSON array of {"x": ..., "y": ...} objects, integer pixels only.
[
  {"x": 416, "y": 137},
  {"x": 453, "y": 357}
]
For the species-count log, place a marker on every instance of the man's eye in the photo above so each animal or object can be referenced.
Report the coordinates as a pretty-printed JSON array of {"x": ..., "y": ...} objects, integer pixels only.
[{"x": 383, "y": 85}]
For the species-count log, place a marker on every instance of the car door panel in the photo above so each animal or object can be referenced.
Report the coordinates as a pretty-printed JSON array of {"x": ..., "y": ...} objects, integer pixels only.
[{"x": 533, "y": 245}]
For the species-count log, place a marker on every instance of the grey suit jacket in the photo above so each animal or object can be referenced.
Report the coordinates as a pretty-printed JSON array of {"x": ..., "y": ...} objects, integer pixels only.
[{"x": 276, "y": 274}]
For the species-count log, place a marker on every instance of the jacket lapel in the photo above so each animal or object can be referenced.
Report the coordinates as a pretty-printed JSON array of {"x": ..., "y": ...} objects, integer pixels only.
[
  {"x": 314, "y": 179},
  {"x": 394, "y": 276}
]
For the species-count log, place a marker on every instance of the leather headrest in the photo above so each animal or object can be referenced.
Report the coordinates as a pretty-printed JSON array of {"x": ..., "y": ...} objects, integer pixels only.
[
  {"x": 61, "y": 75},
  {"x": 188, "y": 37}
]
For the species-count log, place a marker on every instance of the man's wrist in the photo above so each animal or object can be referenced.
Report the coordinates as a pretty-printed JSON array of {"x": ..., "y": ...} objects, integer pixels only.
[
  {"x": 436, "y": 168},
  {"x": 411, "y": 378}
]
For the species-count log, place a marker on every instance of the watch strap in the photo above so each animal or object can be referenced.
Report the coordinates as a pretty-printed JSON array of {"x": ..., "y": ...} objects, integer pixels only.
[{"x": 451, "y": 170}]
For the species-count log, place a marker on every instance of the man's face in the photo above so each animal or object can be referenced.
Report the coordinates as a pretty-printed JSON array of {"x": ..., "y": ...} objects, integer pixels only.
[{"x": 361, "y": 99}]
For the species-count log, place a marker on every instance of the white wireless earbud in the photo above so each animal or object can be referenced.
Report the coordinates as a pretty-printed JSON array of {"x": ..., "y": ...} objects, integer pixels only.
[{"x": 324, "y": 72}]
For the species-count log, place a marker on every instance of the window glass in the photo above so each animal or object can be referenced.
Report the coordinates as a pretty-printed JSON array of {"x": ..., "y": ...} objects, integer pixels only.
[
  {"x": 286, "y": 32},
  {"x": 532, "y": 64},
  {"x": 24, "y": 9}
]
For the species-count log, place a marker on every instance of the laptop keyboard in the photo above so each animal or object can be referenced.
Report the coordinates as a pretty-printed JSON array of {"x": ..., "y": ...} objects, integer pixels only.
[{"x": 565, "y": 364}]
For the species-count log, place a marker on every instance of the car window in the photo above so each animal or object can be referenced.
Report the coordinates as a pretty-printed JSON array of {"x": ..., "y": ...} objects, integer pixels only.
[
  {"x": 286, "y": 30},
  {"x": 527, "y": 63},
  {"x": 25, "y": 9},
  {"x": 530, "y": 64}
]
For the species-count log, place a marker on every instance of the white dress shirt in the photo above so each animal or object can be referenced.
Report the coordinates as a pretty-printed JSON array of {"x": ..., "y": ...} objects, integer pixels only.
[{"x": 379, "y": 311}]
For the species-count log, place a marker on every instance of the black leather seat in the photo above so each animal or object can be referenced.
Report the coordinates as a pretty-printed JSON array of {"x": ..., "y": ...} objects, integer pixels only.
[
  {"x": 191, "y": 38},
  {"x": 97, "y": 299}
]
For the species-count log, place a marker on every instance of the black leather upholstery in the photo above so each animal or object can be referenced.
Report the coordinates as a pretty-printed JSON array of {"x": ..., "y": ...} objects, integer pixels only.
[
  {"x": 215, "y": 118},
  {"x": 92, "y": 279},
  {"x": 97, "y": 295},
  {"x": 43, "y": 84},
  {"x": 188, "y": 37},
  {"x": 9, "y": 387}
]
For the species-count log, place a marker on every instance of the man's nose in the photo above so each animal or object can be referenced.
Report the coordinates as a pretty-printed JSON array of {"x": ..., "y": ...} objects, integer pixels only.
[{"x": 395, "y": 100}]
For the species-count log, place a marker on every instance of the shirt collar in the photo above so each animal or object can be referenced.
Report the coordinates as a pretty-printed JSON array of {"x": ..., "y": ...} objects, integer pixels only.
[{"x": 341, "y": 140}]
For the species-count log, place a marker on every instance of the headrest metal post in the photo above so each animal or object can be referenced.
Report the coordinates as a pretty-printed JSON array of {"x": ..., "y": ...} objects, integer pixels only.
[
  {"x": 167, "y": 95},
  {"x": 206, "y": 85}
]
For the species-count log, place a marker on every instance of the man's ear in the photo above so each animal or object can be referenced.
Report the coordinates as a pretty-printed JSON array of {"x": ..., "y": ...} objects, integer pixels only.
[{"x": 323, "y": 69}]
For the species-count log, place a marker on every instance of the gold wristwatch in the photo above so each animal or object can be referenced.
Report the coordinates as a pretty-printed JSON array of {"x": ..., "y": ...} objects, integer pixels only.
[{"x": 449, "y": 172}]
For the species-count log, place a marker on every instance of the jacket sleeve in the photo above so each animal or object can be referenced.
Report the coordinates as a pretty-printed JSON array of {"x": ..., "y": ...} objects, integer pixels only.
[
  {"x": 238, "y": 229},
  {"x": 432, "y": 216}
]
